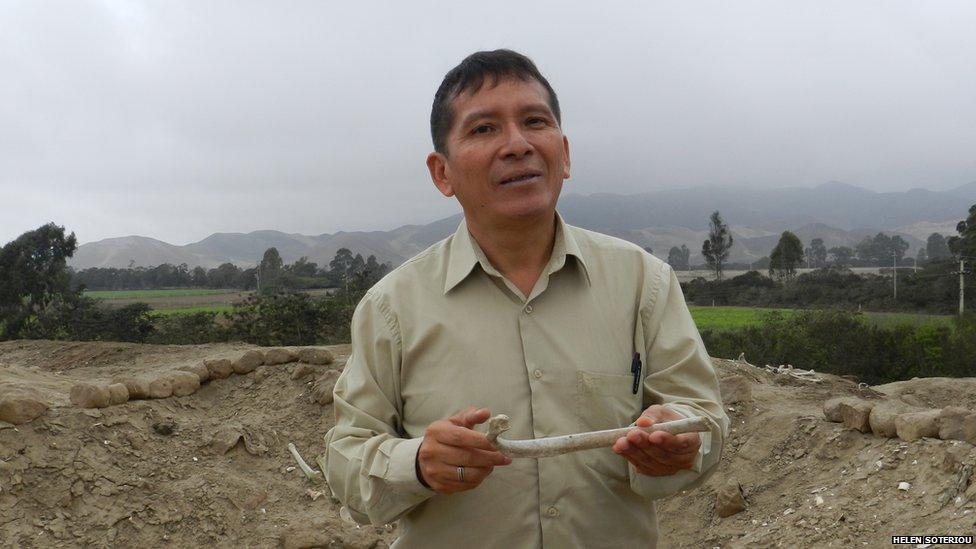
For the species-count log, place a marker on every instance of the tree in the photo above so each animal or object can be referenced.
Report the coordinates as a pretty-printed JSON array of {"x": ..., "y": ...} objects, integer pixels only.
[
  {"x": 817, "y": 253},
  {"x": 303, "y": 267},
  {"x": 842, "y": 255},
  {"x": 964, "y": 245},
  {"x": 33, "y": 276},
  {"x": 341, "y": 265},
  {"x": 358, "y": 264},
  {"x": 936, "y": 247},
  {"x": 679, "y": 258},
  {"x": 269, "y": 271},
  {"x": 786, "y": 256},
  {"x": 922, "y": 256},
  {"x": 716, "y": 248}
]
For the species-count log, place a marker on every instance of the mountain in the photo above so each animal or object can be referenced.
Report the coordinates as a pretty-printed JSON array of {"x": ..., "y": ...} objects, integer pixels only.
[
  {"x": 135, "y": 250},
  {"x": 839, "y": 213}
]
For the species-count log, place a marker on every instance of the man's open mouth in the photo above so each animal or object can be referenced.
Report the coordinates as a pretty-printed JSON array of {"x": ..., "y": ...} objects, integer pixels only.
[{"x": 521, "y": 178}]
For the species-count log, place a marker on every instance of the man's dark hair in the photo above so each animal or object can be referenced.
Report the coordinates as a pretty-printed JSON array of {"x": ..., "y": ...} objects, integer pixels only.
[{"x": 471, "y": 74}]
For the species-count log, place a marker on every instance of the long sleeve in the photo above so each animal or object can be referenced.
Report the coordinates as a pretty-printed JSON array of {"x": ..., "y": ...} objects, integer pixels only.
[
  {"x": 369, "y": 465},
  {"x": 681, "y": 376}
]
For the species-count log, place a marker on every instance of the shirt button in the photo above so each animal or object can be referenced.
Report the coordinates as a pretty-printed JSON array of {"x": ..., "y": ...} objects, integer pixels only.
[
  {"x": 528, "y": 309},
  {"x": 552, "y": 512},
  {"x": 537, "y": 374}
]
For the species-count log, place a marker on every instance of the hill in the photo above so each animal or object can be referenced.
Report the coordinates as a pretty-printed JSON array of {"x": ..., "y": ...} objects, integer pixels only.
[{"x": 839, "y": 213}]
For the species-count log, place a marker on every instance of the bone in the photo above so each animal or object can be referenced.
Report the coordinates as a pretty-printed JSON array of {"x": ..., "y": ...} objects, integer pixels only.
[
  {"x": 556, "y": 446},
  {"x": 309, "y": 472}
]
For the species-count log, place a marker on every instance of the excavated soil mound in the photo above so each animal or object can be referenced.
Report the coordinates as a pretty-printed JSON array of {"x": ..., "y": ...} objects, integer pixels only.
[{"x": 213, "y": 469}]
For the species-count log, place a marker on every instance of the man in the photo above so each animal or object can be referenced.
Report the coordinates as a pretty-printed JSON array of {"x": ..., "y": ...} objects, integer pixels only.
[{"x": 522, "y": 314}]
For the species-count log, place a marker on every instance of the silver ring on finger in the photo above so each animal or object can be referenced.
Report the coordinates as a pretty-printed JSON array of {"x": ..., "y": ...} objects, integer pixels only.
[{"x": 460, "y": 473}]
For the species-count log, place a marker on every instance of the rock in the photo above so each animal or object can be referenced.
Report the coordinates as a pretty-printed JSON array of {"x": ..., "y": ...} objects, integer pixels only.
[
  {"x": 957, "y": 423},
  {"x": 248, "y": 362},
  {"x": 882, "y": 419},
  {"x": 117, "y": 394},
  {"x": 904, "y": 486},
  {"x": 18, "y": 408},
  {"x": 302, "y": 371},
  {"x": 323, "y": 387},
  {"x": 856, "y": 414},
  {"x": 729, "y": 499},
  {"x": 314, "y": 355},
  {"x": 915, "y": 425},
  {"x": 261, "y": 373},
  {"x": 161, "y": 387},
  {"x": 199, "y": 369},
  {"x": 87, "y": 395},
  {"x": 220, "y": 368},
  {"x": 279, "y": 356},
  {"x": 230, "y": 434},
  {"x": 137, "y": 387},
  {"x": 184, "y": 383},
  {"x": 832, "y": 408},
  {"x": 736, "y": 389}
]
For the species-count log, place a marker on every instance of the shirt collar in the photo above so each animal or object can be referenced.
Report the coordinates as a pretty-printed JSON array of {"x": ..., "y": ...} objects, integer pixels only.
[{"x": 465, "y": 253}]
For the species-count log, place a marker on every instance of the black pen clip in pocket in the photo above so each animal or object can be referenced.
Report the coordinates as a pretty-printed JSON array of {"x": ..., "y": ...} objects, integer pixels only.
[{"x": 635, "y": 369}]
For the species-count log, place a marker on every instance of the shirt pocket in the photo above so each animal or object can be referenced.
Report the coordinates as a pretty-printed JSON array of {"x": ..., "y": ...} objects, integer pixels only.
[{"x": 605, "y": 401}]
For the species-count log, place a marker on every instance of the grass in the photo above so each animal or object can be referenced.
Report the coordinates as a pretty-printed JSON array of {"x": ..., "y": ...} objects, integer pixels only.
[
  {"x": 149, "y": 294},
  {"x": 730, "y": 318},
  {"x": 193, "y": 310}
]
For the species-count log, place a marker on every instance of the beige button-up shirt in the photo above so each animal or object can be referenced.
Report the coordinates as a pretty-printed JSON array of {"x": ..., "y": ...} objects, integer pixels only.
[{"x": 446, "y": 330}]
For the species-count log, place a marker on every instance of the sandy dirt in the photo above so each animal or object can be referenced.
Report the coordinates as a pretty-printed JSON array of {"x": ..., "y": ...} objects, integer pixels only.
[{"x": 147, "y": 473}]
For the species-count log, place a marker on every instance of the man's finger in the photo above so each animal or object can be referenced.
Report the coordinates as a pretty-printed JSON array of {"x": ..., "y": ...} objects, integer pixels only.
[
  {"x": 462, "y": 437},
  {"x": 470, "y": 457}
]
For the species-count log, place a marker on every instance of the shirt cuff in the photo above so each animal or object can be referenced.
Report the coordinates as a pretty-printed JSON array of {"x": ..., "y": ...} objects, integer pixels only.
[
  {"x": 706, "y": 438},
  {"x": 401, "y": 472}
]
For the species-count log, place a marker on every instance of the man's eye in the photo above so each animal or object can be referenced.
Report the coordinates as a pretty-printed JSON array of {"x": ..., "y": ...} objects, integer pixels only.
[
  {"x": 536, "y": 121},
  {"x": 484, "y": 128}
]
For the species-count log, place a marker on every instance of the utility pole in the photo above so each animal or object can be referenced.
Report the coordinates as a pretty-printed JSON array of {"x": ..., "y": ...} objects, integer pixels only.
[{"x": 894, "y": 272}]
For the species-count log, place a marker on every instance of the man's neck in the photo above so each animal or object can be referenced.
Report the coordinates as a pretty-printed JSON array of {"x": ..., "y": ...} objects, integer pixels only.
[{"x": 519, "y": 252}]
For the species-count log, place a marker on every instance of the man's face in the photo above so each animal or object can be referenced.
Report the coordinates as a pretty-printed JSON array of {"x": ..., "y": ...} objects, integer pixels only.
[{"x": 506, "y": 156}]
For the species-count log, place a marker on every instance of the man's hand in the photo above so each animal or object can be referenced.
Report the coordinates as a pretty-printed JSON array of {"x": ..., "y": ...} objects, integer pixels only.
[
  {"x": 658, "y": 454},
  {"x": 450, "y": 443}
]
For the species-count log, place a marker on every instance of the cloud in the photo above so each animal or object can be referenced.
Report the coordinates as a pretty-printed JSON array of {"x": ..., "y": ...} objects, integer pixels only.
[{"x": 178, "y": 119}]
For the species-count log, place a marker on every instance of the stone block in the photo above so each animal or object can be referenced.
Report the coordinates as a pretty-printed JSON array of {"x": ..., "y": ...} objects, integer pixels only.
[
  {"x": 248, "y": 362},
  {"x": 314, "y": 355},
  {"x": 220, "y": 368},
  {"x": 89, "y": 395},
  {"x": 915, "y": 425},
  {"x": 19, "y": 408},
  {"x": 117, "y": 394},
  {"x": 184, "y": 383},
  {"x": 279, "y": 356}
]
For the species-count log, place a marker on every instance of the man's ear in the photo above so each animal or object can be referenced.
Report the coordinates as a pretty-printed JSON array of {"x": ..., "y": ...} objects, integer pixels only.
[
  {"x": 566, "y": 155},
  {"x": 437, "y": 165}
]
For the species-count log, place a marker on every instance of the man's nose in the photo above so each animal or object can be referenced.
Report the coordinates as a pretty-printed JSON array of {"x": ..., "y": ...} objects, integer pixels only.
[{"x": 516, "y": 143}]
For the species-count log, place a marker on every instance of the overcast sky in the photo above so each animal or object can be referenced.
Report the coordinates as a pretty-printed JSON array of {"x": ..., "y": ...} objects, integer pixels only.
[{"x": 176, "y": 120}]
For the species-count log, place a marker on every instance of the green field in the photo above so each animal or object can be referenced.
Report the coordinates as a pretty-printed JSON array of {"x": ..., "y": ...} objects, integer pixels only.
[
  {"x": 730, "y": 318},
  {"x": 192, "y": 310},
  {"x": 154, "y": 294}
]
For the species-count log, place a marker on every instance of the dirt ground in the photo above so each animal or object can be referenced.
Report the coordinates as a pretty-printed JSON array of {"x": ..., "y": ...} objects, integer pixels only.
[{"x": 146, "y": 474}]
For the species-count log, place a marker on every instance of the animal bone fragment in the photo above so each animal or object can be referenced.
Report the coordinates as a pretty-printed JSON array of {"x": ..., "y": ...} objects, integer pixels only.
[
  {"x": 309, "y": 472},
  {"x": 555, "y": 446}
]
